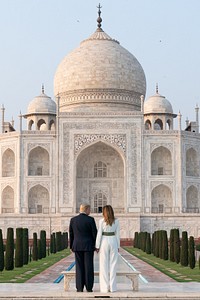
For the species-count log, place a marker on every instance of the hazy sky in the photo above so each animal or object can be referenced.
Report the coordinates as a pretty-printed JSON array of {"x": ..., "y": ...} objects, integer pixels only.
[{"x": 163, "y": 35}]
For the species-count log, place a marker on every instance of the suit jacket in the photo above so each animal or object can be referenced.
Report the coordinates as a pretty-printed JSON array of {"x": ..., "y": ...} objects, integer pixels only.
[{"x": 82, "y": 233}]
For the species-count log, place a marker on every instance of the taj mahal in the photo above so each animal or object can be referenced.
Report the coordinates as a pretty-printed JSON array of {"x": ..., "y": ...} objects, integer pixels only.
[{"x": 101, "y": 142}]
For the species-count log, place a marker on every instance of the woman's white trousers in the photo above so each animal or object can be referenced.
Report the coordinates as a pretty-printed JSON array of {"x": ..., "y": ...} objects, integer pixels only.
[{"x": 108, "y": 264}]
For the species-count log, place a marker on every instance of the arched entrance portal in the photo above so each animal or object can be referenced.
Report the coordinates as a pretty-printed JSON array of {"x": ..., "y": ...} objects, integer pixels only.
[{"x": 100, "y": 178}]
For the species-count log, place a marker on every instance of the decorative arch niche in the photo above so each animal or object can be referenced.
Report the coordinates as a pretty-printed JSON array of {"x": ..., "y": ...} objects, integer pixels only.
[
  {"x": 161, "y": 199},
  {"x": 161, "y": 161},
  {"x": 192, "y": 199},
  {"x": 38, "y": 162},
  {"x": 8, "y": 163},
  {"x": 7, "y": 205},
  {"x": 38, "y": 200},
  {"x": 192, "y": 164}
]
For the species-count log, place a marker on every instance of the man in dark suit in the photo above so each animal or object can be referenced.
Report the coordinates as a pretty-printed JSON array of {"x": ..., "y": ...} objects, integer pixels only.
[{"x": 82, "y": 232}]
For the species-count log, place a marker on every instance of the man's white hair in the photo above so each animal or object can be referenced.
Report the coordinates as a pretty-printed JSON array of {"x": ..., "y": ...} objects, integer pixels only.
[{"x": 84, "y": 207}]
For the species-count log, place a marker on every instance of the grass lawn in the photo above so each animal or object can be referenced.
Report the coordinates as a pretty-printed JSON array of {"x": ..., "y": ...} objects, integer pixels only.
[
  {"x": 20, "y": 275},
  {"x": 172, "y": 269}
]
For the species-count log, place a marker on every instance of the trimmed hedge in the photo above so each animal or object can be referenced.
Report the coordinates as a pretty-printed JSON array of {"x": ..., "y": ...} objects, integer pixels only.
[
  {"x": 19, "y": 248},
  {"x": 192, "y": 260},
  {"x": 9, "y": 260},
  {"x": 184, "y": 249},
  {"x": 1, "y": 252},
  {"x": 25, "y": 246},
  {"x": 35, "y": 247}
]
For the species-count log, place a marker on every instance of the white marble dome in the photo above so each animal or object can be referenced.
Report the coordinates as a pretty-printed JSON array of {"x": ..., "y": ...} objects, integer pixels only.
[
  {"x": 157, "y": 104},
  {"x": 102, "y": 72},
  {"x": 42, "y": 104}
]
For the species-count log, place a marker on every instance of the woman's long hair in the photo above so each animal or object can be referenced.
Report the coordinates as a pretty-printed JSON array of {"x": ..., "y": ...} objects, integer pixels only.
[{"x": 108, "y": 214}]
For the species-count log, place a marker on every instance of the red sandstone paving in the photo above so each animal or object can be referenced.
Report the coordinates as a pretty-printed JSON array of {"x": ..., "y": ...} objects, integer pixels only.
[{"x": 148, "y": 272}]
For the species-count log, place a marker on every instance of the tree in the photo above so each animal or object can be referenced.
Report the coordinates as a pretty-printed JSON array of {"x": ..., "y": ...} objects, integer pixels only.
[
  {"x": 1, "y": 252},
  {"x": 171, "y": 239},
  {"x": 148, "y": 243},
  {"x": 58, "y": 241},
  {"x": 176, "y": 246},
  {"x": 135, "y": 242},
  {"x": 53, "y": 243},
  {"x": 153, "y": 243},
  {"x": 156, "y": 253},
  {"x": 19, "y": 248},
  {"x": 191, "y": 253},
  {"x": 65, "y": 238},
  {"x": 184, "y": 249},
  {"x": 160, "y": 239},
  {"x": 35, "y": 247},
  {"x": 164, "y": 245},
  {"x": 43, "y": 243},
  {"x": 9, "y": 261},
  {"x": 25, "y": 246},
  {"x": 39, "y": 250}
]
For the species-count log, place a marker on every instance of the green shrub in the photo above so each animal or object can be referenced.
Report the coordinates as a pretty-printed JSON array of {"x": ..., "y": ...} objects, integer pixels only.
[
  {"x": 164, "y": 245},
  {"x": 184, "y": 249},
  {"x": 157, "y": 243},
  {"x": 160, "y": 242},
  {"x": 148, "y": 243},
  {"x": 35, "y": 247},
  {"x": 153, "y": 244},
  {"x": 135, "y": 241},
  {"x": 25, "y": 246},
  {"x": 39, "y": 250},
  {"x": 177, "y": 249},
  {"x": 171, "y": 239},
  {"x": 58, "y": 241},
  {"x": 43, "y": 243},
  {"x": 65, "y": 240},
  {"x": 191, "y": 253},
  {"x": 1, "y": 252},
  {"x": 19, "y": 248},
  {"x": 9, "y": 259}
]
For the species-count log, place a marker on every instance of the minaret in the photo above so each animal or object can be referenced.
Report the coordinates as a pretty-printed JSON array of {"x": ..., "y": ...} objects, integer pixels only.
[
  {"x": 179, "y": 121},
  {"x": 197, "y": 118},
  {"x": 20, "y": 121},
  {"x": 12, "y": 122},
  {"x": 187, "y": 122},
  {"x": 2, "y": 118}
]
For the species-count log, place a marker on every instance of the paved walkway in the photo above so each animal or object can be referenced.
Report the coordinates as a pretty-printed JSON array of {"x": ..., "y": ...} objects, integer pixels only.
[
  {"x": 153, "y": 285},
  {"x": 148, "y": 272}
]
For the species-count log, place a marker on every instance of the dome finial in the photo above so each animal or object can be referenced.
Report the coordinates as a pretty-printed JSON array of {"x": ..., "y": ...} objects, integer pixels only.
[
  {"x": 156, "y": 88},
  {"x": 99, "y": 19},
  {"x": 43, "y": 88}
]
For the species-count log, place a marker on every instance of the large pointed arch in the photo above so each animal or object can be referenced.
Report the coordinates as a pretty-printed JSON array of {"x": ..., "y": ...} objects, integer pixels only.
[{"x": 100, "y": 171}]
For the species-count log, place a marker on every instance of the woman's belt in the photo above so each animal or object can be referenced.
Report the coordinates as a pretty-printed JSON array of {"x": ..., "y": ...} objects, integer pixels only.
[{"x": 108, "y": 233}]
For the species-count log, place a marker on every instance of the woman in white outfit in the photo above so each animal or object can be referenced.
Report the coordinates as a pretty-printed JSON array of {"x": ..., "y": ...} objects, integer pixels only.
[{"x": 107, "y": 244}]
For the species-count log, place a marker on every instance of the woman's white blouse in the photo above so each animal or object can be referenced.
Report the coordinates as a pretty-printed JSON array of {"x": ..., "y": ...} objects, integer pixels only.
[{"x": 103, "y": 227}]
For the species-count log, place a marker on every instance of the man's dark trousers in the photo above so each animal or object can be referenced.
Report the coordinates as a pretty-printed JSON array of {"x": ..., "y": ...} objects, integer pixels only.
[{"x": 84, "y": 270}]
